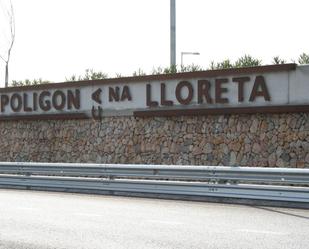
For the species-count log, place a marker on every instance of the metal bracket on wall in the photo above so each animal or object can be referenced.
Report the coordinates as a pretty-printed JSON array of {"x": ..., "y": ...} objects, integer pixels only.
[{"x": 97, "y": 114}]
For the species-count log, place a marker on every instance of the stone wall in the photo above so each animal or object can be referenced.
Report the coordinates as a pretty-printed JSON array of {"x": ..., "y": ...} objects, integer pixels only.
[{"x": 251, "y": 140}]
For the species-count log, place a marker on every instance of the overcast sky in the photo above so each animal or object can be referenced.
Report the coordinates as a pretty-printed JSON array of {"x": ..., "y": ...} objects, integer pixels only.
[{"x": 58, "y": 38}]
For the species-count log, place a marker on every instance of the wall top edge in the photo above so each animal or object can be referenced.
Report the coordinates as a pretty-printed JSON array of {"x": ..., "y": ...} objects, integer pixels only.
[{"x": 148, "y": 78}]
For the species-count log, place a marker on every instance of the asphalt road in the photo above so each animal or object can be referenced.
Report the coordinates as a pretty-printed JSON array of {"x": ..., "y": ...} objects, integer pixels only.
[{"x": 32, "y": 220}]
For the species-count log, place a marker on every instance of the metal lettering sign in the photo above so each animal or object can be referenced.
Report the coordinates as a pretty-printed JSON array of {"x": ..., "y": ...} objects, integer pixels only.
[{"x": 276, "y": 88}]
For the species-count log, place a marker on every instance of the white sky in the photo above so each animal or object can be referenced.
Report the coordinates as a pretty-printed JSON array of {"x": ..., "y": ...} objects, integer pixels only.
[{"x": 58, "y": 38}]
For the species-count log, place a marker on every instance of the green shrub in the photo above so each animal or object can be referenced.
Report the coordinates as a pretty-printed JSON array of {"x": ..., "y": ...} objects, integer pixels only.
[
  {"x": 277, "y": 60},
  {"x": 28, "y": 82},
  {"x": 244, "y": 61},
  {"x": 221, "y": 65},
  {"x": 139, "y": 72},
  {"x": 247, "y": 61},
  {"x": 90, "y": 74},
  {"x": 303, "y": 59}
]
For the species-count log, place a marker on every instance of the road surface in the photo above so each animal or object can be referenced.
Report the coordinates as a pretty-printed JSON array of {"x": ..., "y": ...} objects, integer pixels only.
[{"x": 45, "y": 220}]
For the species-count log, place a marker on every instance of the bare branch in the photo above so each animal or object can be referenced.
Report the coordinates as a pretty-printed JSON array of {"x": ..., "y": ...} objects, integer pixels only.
[
  {"x": 3, "y": 59},
  {"x": 12, "y": 23},
  {"x": 12, "y": 27}
]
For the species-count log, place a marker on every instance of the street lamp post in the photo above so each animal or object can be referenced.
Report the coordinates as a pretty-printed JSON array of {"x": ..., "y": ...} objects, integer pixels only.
[{"x": 184, "y": 53}]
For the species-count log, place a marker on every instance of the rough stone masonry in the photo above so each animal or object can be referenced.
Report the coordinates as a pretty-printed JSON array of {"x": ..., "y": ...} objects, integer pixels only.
[{"x": 270, "y": 140}]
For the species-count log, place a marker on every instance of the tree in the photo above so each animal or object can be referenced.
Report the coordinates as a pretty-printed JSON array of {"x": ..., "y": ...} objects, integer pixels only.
[{"x": 9, "y": 17}]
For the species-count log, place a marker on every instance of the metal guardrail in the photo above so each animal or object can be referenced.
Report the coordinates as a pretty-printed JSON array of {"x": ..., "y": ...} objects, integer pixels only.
[
  {"x": 199, "y": 173},
  {"x": 277, "y": 184}
]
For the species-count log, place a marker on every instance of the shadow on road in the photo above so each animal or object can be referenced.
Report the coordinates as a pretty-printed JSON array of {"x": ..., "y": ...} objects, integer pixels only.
[{"x": 282, "y": 212}]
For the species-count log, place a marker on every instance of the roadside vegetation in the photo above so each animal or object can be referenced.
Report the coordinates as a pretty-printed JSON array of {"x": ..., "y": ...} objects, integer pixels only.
[
  {"x": 244, "y": 61},
  {"x": 28, "y": 82}
]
